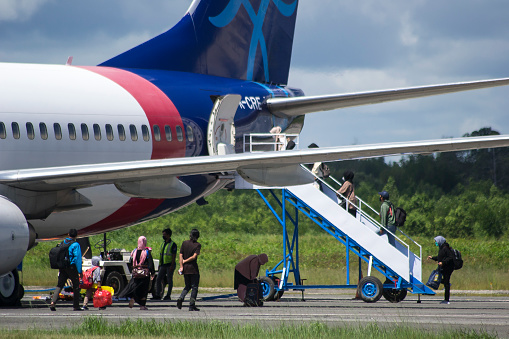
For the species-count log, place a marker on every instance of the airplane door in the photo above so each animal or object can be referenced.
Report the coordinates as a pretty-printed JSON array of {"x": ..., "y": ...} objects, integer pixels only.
[{"x": 221, "y": 128}]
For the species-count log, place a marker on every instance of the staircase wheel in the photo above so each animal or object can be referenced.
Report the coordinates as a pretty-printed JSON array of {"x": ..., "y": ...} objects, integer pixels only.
[
  {"x": 393, "y": 295},
  {"x": 370, "y": 289},
  {"x": 268, "y": 288}
]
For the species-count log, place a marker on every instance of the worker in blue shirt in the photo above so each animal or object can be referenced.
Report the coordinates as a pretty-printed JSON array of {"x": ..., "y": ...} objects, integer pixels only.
[{"x": 72, "y": 271}]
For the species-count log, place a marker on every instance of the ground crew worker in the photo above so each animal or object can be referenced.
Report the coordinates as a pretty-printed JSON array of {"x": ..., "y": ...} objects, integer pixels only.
[{"x": 167, "y": 257}]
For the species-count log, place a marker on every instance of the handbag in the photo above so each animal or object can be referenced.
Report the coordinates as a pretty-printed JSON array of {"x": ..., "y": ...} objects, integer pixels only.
[
  {"x": 435, "y": 279},
  {"x": 140, "y": 272}
]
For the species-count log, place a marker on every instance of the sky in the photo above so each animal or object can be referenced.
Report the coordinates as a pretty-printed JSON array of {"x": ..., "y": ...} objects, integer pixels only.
[{"x": 340, "y": 46}]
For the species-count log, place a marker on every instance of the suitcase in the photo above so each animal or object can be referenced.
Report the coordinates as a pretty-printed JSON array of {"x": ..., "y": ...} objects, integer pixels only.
[{"x": 254, "y": 295}]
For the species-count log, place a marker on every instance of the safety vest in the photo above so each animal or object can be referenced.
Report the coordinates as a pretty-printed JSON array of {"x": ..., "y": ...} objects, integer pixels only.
[{"x": 166, "y": 255}]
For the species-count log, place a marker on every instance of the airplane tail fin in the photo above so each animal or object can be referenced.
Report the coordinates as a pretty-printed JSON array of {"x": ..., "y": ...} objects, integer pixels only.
[{"x": 241, "y": 39}]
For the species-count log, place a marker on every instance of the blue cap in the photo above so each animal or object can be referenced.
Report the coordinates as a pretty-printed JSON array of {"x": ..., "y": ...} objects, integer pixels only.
[{"x": 384, "y": 194}]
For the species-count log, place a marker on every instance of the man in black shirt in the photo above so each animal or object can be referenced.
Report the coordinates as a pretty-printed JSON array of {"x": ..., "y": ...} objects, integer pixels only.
[{"x": 189, "y": 252}]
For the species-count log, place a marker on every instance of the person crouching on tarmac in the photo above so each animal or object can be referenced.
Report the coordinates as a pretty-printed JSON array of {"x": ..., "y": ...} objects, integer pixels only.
[{"x": 96, "y": 279}]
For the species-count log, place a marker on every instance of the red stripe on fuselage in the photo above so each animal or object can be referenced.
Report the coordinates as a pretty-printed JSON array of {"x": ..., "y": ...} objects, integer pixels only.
[
  {"x": 158, "y": 108},
  {"x": 160, "y": 111}
]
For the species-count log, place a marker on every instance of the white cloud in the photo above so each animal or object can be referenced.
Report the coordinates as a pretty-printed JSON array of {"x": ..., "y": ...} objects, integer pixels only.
[{"x": 14, "y": 10}]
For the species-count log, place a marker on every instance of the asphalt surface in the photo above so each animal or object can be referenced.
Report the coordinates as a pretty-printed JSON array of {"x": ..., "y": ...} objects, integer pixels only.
[{"x": 488, "y": 312}]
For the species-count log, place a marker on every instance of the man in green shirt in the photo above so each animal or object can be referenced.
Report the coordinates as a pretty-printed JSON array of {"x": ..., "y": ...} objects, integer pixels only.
[
  {"x": 167, "y": 257},
  {"x": 387, "y": 217}
]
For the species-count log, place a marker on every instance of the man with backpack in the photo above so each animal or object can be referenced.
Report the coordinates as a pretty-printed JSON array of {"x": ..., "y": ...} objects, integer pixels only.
[
  {"x": 70, "y": 269},
  {"x": 387, "y": 217},
  {"x": 445, "y": 260}
]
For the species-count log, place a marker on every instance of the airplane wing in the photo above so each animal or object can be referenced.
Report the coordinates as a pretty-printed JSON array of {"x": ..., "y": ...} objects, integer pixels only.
[
  {"x": 309, "y": 104},
  {"x": 55, "y": 178}
]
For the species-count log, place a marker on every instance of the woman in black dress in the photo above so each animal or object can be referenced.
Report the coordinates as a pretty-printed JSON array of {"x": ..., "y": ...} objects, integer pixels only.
[{"x": 138, "y": 286}]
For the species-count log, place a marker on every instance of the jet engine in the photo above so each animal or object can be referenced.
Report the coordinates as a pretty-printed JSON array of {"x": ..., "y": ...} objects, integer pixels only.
[{"x": 16, "y": 236}]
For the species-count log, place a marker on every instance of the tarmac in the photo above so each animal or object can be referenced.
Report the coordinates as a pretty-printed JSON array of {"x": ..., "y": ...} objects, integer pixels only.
[{"x": 486, "y": 311}]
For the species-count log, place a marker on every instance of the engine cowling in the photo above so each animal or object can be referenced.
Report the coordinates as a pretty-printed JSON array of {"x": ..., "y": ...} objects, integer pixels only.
[{"x": 16, "y": 237}]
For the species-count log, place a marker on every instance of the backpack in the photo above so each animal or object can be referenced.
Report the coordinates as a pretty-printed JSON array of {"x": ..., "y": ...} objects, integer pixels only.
[
  {"x": 325, "y": 170},
  {"x": 59, "y": 255},
  {"x": 456, "y": 259},
  {"x": 400, "y": 216},
  {"x": 88, "y": 278}
]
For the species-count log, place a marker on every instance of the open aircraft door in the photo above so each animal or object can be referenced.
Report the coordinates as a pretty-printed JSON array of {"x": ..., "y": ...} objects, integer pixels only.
[{"x": 221, "y": 129}]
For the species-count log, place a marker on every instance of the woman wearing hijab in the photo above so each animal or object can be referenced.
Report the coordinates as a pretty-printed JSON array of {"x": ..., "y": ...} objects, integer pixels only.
[
  {"x": 445, "y": 260},
  {"x": 138, "y": 286},
  {"x": 348, "y": 191},
  {"x": 246, "y": 272}
]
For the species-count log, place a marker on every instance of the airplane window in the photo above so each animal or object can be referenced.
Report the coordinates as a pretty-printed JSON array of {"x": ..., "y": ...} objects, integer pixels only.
[
  {"x": 43, "y": 130},
  {"x": 84, "y": 131},
  {"x": 145, "y": 132},
  {"x": 15, "y": 130},
  {"x": 134, "y": 133},
  {"x": 180, "y": 134},
  {"x": 109, "y": 132},
  {"x": 72, "y": 131},
  {"x": 97, "y": 132},
  {"x": 167, "y": 131},
  {"x": 121, "y": 132},
  {"x": 58, "y": 131},
  {"x": 30, "y": 131},
  {"x": 189, "y": 132},
  {"x": 157, "y": 133},
  {"x": 3, "y": 132}
]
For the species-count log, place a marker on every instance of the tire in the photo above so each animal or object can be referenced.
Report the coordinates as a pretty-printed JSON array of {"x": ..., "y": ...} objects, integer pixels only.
[
  {"x": 116, "y": 280},
  {"x": 10, "y": 289},
  {"x": 393, "y": 295},
  {"x": 370, "y": 289},
  {"x": 268, "y": 288},
  {"x": 278, "y": 295}
]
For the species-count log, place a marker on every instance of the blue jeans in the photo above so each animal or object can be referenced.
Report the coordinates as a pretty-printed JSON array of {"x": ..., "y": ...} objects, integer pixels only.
[{"x": 392, "y": 240}]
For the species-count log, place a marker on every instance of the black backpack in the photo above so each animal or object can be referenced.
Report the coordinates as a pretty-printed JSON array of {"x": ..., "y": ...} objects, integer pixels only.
[
  {"x": 400, "y": 216},
  {"x": 59, "y": 255},
  {"x": 456, "y": 259}
]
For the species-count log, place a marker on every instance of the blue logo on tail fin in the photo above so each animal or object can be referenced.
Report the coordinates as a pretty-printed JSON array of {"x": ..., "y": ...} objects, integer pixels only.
[{"x": 231, "y": 10}]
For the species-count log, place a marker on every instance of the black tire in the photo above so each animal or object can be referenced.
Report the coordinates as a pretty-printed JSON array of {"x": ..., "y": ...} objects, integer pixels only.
[
  {"x": 268, "y": 288},
  {"x": 393, "y": 295},
  {"x": 370, "y": 289},
  {"x": 9, "y": 289},
  {"x": 116, "y": 280}
]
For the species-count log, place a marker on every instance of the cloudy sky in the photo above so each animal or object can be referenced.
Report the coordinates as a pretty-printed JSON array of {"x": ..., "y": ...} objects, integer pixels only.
[{"x": 340, "y": 46}]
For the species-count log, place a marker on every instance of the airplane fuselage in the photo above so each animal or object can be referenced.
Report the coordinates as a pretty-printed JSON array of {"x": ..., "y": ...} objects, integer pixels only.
[{"x": 53, "y": 115}]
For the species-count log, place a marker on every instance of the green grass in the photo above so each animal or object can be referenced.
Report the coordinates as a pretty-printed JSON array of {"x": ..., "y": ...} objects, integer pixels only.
[
  {"x": 98, "y": 327},
  {"x": 322, "y": 259}
]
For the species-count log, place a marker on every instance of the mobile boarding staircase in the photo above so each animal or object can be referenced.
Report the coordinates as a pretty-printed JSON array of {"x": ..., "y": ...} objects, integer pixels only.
[{"x": 401, "y": 267}]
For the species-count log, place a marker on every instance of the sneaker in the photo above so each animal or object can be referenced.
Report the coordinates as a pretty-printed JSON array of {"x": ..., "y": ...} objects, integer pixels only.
[
  {"x": 143, "y": 308},
  {"x": 131, "y": 303},
  {"x": 445, "y": 302},
  {"x": 167, "y": 298},
  {"x": 52, "y": 307},
  {"x": 179, "y": 304},
  {"x": 193, "y": 308},
  {"x": 85, "y": 308}
]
